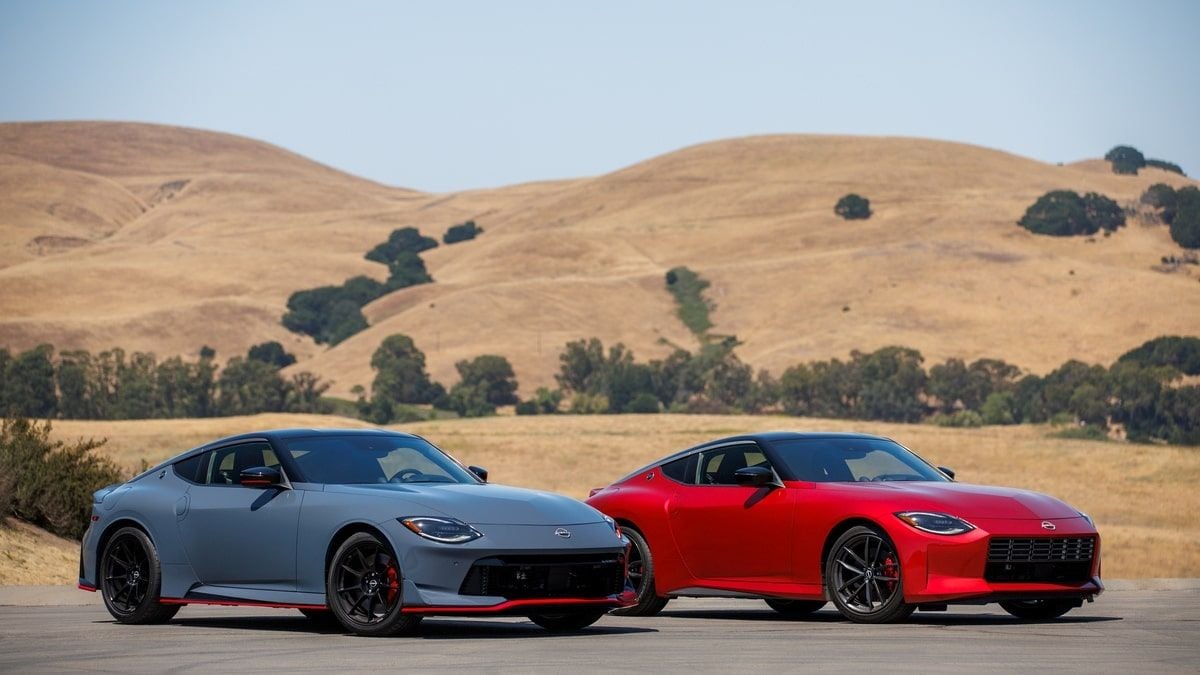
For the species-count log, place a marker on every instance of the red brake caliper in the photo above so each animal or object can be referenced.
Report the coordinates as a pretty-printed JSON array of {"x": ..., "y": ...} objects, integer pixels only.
[
  {"x": 393, "y": 583},
  {"x": 889, "y": 570}
]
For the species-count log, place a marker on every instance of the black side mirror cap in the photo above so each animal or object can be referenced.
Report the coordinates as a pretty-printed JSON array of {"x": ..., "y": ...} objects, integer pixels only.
[
  {"x": 479, "y": 471},
  {"x": 755, "y": 476},
  {"x": 948, "y": 471},
  {"x": 260, "y": 477}
]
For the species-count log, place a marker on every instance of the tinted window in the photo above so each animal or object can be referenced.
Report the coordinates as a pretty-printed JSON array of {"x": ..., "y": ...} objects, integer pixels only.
[
  {"x": 682, "y": 470},
  {"x": 373, "y": 459},
  {"x": 844, "y": 460},
  {"x": 227, "y": 464},
  {"x": 189, "y": 469},
  {"x": 718, "y": 466}
]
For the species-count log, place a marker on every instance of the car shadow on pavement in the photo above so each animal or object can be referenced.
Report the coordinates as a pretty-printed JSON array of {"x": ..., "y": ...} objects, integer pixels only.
[
  {"x": 923, "y": 618},
  {"x": 436, "y": 628}
]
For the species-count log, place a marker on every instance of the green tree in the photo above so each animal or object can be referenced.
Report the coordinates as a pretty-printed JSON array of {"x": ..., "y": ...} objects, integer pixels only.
[
  {"x": 1165, "y": 166},
  {"x": 581, "y": 366},
  {"x": 1163, "y": 199},
  {"x": 462, "y": 232},
  {"x": 853, "y": 207},
  {"x": 405, "y": 239},
  {"x": 1178, "y": 352},
  {"x": 999, "y": 408},
  {"x": 688, "y": 289},
  {"x": 304, "y": 392},
  {"x": 493, "y": 375},
  {"x": 1060, "y": 213},
  {"x": 1102, "y": 212},
  {"x": 29, "y": 383},
  {"x": 249, "y": 387},
  {"x": 470, "y": 400},
  {"x": 407, "y": 269},
  {"x": 271, "y": 353},
  {"x": 1185, "y": 226},
  {"x": 1125, "y": 159},
  {"x": 400, "y": 375},
  {"x": 893, "y": 381}
]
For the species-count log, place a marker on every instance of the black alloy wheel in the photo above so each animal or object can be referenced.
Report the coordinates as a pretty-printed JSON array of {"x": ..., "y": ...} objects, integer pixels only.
[
  {"x": 363, "y": 588},
  {"x": 863, "y": 577},
  {"x": 1039, "y": 610},
  {"x": 795, "y": 607},
  {"x": 641, "y": 575},
  {"x": 567, "y": 621},
  {"x": 131, "y": 579}
]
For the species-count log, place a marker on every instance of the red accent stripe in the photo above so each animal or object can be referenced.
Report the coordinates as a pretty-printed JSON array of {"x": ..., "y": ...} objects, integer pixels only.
[
  {"x": 86, "y": 587},
  {"x": 237, "y": 603},
  {"x": 510, "y": 605}
]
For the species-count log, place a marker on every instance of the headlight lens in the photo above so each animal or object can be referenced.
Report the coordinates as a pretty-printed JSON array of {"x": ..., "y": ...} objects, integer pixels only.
[
  {"x": 935, "y": 523},
  {"x": 613, "y": 524},
  {"x": 444, "y": 530}
]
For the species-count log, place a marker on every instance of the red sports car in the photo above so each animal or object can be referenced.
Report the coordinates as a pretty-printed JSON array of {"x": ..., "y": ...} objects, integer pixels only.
[{"x": 800, "y": 519}]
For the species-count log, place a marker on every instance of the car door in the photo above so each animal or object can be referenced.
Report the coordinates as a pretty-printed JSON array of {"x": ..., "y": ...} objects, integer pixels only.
[
  {"x": 236, "y": 535},
  {"x": 728, "y": 531}
]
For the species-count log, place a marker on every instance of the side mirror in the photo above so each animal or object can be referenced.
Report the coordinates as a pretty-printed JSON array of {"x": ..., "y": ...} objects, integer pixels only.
[
  {"x": 755, "y": 476},
  {"x": 479, "y": 471},
  {"x": 260, "y": 477},
  {"x": 948, "y": 471}
]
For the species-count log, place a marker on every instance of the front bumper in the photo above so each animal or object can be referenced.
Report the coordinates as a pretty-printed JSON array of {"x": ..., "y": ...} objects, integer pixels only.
[
  {"x": 957, "y": 569},
  {"x": 533, "y": 570}
]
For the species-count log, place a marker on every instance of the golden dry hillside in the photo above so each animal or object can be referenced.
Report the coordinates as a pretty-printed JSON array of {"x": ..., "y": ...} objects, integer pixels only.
[{"x": 163, "y": 239}]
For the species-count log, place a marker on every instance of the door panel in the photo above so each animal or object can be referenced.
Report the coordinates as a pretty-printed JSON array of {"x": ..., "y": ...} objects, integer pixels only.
[
  {"x": 727, "y": 531},
  {"x": 241, "y": 536}
]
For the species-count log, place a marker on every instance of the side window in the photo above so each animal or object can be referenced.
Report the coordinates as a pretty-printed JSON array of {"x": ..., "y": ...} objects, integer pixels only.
[
  {"x": 189, "y": 469},
  {"x": 228, "y": 463},
  {"x": 717, "y": 466},
  {"x": 682, "y": 470}
]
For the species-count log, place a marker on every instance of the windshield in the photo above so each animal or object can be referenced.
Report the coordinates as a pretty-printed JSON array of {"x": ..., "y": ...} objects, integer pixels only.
[
  {"x": 845, "y": 460},
  {"x": 349, "y": 460}
]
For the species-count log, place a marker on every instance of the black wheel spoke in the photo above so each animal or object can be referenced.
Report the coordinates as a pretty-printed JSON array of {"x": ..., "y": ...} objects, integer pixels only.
[{"x": 850, "y": 567}]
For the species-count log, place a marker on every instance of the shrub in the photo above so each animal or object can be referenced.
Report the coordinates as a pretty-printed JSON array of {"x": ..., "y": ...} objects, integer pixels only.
[
  {"x": 999, "y": 408},
  {"x": 49, "y": 483},
  {"x": 271, "y": 353},
  {"x": 529, "y": 407},
  {"x": 644, "y": 402},
  {"x": 589, "y": 404},
  {"x": 462, "y": 232},
  {"x": 1185, "y": 226},
  {"x": 1125, "y": 159},
  {"x": 688, "y": 289},
  {"x": 853, "y": 207},
  {"x": 962, "y": 418},
  {"x": 400, "y": 375},
  {"x": 1063, "y": 213},
  {"x": 1083, "y": 432}
]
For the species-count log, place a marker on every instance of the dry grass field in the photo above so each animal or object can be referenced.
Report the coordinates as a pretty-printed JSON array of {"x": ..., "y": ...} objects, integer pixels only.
[
  {"x": 1142, "y": 497},
  {"x": 164, "y": 239}
]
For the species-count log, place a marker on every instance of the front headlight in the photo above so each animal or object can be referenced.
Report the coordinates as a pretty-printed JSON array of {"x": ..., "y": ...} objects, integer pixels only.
[
  {"x": 935, "y": 523},
  {"x": 613, "y": 524},
  {"x": 444, "y": 530}
]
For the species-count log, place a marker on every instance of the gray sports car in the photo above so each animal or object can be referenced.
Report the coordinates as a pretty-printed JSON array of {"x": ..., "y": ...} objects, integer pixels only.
[{"x": 374, "y": 528}]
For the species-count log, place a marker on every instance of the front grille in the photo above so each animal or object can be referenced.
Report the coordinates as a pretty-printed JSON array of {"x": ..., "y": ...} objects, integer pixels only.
[
  {"x": 1040, "y": 559},
  {"x": 564, "y": 576}
]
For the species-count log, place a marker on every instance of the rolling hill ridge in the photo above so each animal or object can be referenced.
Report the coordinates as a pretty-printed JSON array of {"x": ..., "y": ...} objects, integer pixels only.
[{"x": 164, "y": 239}]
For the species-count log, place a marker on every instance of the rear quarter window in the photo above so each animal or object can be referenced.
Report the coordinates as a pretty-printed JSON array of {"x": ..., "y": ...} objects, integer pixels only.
[
  {"x": 190, "y": 468},
  {"x": 682, "y": 470}
]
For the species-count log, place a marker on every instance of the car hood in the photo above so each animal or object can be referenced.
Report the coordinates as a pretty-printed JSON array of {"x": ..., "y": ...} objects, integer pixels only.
[
  {"x": 483, "y": 504},
  {"x": 966, "y": 500}
]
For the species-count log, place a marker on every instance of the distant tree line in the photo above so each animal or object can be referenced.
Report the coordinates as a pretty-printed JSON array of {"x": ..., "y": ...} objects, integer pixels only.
[
  {"x": 112, "y": 385},
  {"x": 1140, "y": 392}
]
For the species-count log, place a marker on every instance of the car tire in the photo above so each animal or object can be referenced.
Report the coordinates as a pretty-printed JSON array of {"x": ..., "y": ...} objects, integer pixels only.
[
  {"x": 641, "y": 575},
  {"x": 363, "y": 588},
  {"x": 864, "y": 579},
  {"x": 131, "y": 579},
  {"x": 1038, "y": 610},
  {"x": 795, "y": 607},
  {"x": 566, "y": 622}
]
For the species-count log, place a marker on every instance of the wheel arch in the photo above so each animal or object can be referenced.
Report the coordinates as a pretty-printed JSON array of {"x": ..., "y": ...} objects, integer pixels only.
[
  {"x": 114, "y": 527},
  {"x": 345, "y": 532},
  {"x": 840, "y": 529}
]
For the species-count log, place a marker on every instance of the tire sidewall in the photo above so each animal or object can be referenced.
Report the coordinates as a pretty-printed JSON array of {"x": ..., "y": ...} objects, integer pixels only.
[
  {"x": 149, "y": 606},
  {"x": 395, "y": 622},
  {"x": 648, "y": 602}
]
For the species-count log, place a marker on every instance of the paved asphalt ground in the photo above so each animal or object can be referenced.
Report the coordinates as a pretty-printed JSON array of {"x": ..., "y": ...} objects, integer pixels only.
[{"x": 1132, "y": 629}]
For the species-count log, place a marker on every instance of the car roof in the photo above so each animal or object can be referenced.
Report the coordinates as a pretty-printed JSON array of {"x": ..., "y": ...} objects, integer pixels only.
[{"x": 762, "y": 437}]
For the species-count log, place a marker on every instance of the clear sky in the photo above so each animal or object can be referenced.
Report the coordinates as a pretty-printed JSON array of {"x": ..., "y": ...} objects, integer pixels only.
[{"x": 450, "y": 95}]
